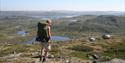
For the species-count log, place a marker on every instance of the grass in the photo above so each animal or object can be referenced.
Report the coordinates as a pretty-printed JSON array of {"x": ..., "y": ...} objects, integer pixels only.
[
  {"x": 10, "y": 49},
  {"x": 79, "y": 54},
  {"x": 80, "y": 51},
  {"x": 112, "y": 48},
  {"x": 115, "y": 51},
  {"x": 109, "y": 51},
  {"x": 3, "y": 36},
  {"x": 81, "y": 48},
  {"x": 55, "y": 50}
]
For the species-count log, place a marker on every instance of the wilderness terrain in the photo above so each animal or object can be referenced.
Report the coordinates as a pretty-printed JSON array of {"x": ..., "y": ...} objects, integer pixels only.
[{"x": 79, "y": 27}]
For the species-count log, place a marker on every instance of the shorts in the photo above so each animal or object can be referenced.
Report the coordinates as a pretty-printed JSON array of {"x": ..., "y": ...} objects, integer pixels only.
[
  {"x": 44, "y": 45},
  {"x": 42, "y": 39}
]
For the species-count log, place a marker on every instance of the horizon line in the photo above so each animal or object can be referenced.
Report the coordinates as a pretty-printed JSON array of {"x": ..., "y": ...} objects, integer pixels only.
[{"x": 62, "y": 10}]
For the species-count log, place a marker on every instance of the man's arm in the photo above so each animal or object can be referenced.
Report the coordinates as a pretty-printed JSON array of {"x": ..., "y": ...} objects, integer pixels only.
[{"x": 49, "y": 32}]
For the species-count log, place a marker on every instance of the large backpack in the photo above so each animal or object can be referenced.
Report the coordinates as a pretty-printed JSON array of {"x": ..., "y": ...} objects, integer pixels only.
[{"x": 42, "y": 31}]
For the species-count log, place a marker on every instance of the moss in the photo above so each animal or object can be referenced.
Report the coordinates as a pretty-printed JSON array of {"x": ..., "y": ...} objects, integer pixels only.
[
  {"x": 2, "y": 60},
  {"x": 79, "y": 54},
  {"x": 80, "y": 51},
  {"x": 81, "y": 48},
  {"x": 55, "y": 50},
  {"x": 9, "y": 49},
  {"x": 3, "y": 36},
  {"x": 115, "y": 51}
]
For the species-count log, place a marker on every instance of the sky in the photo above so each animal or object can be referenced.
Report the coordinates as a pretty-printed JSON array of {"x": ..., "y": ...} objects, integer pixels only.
[{"x": 70, "y": 5}]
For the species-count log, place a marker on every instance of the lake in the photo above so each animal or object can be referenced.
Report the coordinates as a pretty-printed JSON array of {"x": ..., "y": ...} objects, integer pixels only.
[
  {"x": 22, "y": 33},
  {"x": 54, "y": 38}
]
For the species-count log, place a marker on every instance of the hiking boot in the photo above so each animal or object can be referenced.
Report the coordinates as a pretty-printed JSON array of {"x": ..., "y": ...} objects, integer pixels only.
[
  {"x": 40, "y": 58},
  {"x": 44, "y": 59}
]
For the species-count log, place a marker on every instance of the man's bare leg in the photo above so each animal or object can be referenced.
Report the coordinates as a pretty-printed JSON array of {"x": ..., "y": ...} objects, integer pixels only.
[
  {"x": 45, "y": 54},
  {"x": 41, "y": 53}
]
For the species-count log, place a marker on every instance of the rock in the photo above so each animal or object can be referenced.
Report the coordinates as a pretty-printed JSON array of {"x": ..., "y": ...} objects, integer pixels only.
[
  {"x": 67, "y": 61},
  {"x": 51, "y": 56},
  {"x": 106, "y": 36},
  {"x": 92, "y": 39},
  {"x": 115, "y": 60},
  {"x": 13, "y": 55},
  {"x": 35, "y": 53},
  {"x": 95, "y": 56}
]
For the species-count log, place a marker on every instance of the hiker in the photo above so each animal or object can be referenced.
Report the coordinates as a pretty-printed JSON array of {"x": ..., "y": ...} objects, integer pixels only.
[{"x": 43, "y": 36}]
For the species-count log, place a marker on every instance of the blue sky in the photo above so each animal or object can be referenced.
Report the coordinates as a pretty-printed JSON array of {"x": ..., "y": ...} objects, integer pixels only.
[{"x": 74, "y": 5}]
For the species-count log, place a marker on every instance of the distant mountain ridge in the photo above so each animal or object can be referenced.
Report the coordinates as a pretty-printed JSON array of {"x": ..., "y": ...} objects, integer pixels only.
[
  {"x": 83, "y": 22},
  {"x": 57, "y": 14}
]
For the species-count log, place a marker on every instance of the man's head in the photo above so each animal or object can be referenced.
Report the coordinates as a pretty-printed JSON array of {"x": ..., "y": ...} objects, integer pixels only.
[{"x": 49, "y": 22}]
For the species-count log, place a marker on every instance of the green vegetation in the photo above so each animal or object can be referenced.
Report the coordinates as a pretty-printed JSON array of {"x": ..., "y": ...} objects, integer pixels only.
[
  {"x": 115, "y": 51},
  {"x": 80, "y": 51},
  {"x": 79, "y": 54},
  {"x": 64, "y": 27},
  {"x": 81, "y": 48},
  {"x": 82, "y": 28},
  {"x": 56, "y": 51},
  {"x": 104, "y": 24},
  {"x": 10, "y": 49},
  {"x": 111, "y": 48},
  {"x": 3, "y": 36}
]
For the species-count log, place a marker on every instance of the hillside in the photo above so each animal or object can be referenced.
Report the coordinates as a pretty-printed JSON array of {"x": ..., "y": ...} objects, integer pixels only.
[
  {"x": 74, "y": 51},
  {"x": 103, "y": 24},
  {"x": 73, "y": 27}
]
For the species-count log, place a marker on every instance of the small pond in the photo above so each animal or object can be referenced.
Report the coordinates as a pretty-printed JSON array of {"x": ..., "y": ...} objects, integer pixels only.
[{"x": 54, "y": 38}]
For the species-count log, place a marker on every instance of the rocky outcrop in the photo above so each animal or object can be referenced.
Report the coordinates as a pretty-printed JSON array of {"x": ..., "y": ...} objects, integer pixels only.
[{"x": 115, "y": 60}]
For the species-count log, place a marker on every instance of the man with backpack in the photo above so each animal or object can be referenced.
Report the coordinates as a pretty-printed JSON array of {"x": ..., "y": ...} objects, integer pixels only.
[{"x": 43, "y": 36}]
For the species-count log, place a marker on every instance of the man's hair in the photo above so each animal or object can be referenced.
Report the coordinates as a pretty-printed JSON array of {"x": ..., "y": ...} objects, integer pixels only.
[{"x": 48, "y": 21}]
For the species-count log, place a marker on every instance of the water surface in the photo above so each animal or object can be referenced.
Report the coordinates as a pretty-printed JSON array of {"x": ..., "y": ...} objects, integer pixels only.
[{"x": 54, "y": 38}]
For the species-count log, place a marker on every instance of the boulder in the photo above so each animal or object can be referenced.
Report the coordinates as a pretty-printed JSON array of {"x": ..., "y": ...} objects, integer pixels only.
[
  {"x": 106, "y": 36},
  {"x": 92, "y": 39}
]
